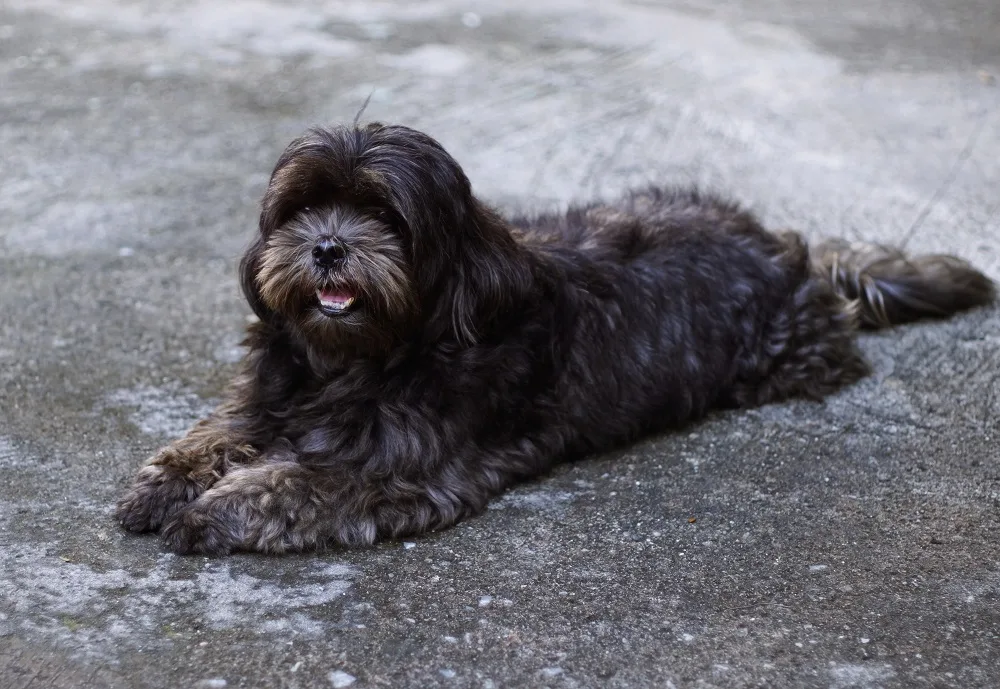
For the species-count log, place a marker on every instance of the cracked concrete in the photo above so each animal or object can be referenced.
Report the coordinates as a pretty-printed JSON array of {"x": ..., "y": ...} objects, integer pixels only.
[{"x": 844, "y": 544}]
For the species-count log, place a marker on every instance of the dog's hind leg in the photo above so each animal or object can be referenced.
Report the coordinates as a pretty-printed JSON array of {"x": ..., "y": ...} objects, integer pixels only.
[
  {"x": 808, "y": 347},
  {"x": 808, "y": 350}
]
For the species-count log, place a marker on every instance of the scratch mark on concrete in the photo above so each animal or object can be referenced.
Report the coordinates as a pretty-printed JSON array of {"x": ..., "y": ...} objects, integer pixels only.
[{"x": 946, "y": 183}]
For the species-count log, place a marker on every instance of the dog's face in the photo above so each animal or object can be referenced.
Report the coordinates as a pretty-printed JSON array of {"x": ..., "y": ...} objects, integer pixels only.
[
  {"x": 370, "y": 236},
  {"x": 340, "y": 272}
]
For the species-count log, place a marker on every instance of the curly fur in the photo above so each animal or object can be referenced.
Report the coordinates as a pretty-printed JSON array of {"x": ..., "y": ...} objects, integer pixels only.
[{"x": 484, "y": 350}]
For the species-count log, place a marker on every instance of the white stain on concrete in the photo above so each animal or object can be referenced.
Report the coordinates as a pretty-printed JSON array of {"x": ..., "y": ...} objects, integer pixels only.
[
  {"x": 168, "y": 410},
  {"x": 534, "y": 500},
  {"x": 432, "y": 59},
  {"x": 214, "y": 29},
  {"x": 11, "y": 457},
  {"x": 340, "y": 679},
  {"x": 83, "y": 224},
  {"x": 860, "y": 676},
  {"x": 227, "y": 33},
  {"x": 102, "y": 612}
]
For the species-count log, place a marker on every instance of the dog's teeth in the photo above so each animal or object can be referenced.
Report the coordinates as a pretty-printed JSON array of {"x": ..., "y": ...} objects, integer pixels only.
[{"x": 335, "y": 305}]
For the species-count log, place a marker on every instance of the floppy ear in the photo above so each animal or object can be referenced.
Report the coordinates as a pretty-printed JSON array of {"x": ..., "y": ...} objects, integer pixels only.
[
  {"x": 298, "y": 179},
  {"x": 275, "y": 207},
  {"x": 469, "y": 269},
  {"x": 490, "y": 278},
  {"x": 249, "y": 265}
]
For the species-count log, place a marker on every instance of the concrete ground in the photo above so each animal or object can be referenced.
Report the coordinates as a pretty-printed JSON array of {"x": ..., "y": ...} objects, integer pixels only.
[{"x": 854, "y": 543}]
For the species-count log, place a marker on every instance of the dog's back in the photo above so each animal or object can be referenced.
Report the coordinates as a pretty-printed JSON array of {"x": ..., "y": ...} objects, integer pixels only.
[{"x": 682, "y": 302}]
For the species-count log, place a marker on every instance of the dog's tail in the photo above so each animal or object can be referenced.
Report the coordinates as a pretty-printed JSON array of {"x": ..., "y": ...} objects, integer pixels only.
[{"x": 889, "y": 287}]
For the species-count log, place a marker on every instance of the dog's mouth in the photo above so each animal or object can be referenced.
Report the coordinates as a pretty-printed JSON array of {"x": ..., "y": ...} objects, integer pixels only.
[{"x": 336, "y": 302}]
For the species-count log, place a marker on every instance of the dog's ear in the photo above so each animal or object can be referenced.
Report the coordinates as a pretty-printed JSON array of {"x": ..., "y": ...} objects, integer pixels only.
[
  {"x": 273, "y": 210},
  {"x": 297, "y": 180},
  {"x": 489, "y": 278},
  {"x": 469, "y": 269},
  {"x": 249, "y": 266}
]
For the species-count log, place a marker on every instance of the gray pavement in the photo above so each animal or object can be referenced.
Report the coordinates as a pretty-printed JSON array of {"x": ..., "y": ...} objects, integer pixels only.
[{"x": 852, "y": 543}]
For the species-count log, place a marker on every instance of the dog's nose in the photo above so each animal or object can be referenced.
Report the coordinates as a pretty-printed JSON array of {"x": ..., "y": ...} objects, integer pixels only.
[{"x": 328, "y": 252}]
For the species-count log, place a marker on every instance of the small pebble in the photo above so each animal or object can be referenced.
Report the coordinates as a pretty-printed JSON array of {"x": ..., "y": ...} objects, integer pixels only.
[
  {"x": 409, "y": 545},
  {"x": 485, "y": 601}
]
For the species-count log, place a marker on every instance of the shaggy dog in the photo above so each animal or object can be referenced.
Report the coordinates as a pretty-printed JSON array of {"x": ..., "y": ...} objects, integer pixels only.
[{"x": 416, "y": 353}]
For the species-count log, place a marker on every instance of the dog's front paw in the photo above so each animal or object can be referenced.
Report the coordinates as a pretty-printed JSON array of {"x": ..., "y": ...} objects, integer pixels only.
[
  {"x": 157, "y": 492},
  {"x": 205, "y": 527}
]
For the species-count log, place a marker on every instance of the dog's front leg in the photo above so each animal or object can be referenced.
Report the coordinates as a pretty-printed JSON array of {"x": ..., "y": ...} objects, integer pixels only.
[
  {"x": 183, "y": 470},
  {"x": 285, "y": 506}
]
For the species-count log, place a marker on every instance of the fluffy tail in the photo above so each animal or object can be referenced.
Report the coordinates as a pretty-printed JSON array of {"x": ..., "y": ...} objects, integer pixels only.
[{"x": 890, "y": 288}]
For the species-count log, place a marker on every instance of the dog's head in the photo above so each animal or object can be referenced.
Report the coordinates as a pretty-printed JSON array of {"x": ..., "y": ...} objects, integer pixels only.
[{"x": 370, "y": 236}]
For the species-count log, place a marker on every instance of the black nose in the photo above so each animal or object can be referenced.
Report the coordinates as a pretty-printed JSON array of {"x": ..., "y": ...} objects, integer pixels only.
[{"x": 328, "y": 252}]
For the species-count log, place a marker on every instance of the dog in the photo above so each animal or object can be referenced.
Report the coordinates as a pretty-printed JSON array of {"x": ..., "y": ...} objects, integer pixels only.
[{"x": 416, "y": 353}]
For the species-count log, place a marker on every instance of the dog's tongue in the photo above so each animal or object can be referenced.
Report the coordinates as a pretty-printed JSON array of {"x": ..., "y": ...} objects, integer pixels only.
[
  {"x": 335, "y": 298},
  {"x": 334, "y": 295}
]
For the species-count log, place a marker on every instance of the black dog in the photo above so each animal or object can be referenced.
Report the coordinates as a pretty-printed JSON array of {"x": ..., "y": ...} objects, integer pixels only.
[{"x": 417, "y": 353}]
